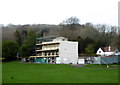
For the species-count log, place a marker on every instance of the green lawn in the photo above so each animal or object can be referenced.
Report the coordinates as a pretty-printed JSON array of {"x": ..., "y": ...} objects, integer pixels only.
[
  {"x": 53, "y": 73},
  {"x": 0, "y": 72}
]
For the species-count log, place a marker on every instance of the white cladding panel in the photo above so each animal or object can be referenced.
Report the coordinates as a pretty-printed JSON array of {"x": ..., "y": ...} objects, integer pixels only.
[
  {"x": 81, "y": 61},
  {"x": 100, "y": 52},
  {"x": 117, "y": 53},
  {"x": 58, "y": 60},
  {"x": 109, "y": 53},
  {"x": 68, "y": 52},
  {"x": 68, "y": 47}
]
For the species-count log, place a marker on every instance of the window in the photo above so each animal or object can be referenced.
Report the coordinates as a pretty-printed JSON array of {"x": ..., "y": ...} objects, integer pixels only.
[
  {"x": 45, "y": 53},
  {"x": 52, "y": 53},
  {"x": 48, "y": 53},
  {"x": 99, "y": 51},
  {"x": 57, "y": 53}
]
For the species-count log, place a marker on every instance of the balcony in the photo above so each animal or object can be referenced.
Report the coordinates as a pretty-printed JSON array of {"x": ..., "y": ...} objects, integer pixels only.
[
  {"x": 47, "y": 54},
  {"x": 47, "y": 43}
]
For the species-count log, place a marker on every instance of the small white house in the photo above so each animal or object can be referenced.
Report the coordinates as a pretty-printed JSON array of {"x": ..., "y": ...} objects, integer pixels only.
[{"x": 107, "y": 51}]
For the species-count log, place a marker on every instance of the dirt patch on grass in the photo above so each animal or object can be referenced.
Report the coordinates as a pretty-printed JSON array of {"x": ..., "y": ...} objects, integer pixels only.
[
  {"x": 109, "y": 67},
  {"x": 77, "y": 65}
]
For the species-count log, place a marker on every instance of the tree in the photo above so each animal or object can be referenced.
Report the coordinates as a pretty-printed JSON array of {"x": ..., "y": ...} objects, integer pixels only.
[
  {"x": 89, "y": 50},
  {"x": 44, "y": 32},
  {"x": 119, "y": 42},
  {"x": 81, "y": 45},
  {"x": 88, "y": 41},
  {"x": 28, "y": 47},
  {"x": 98, "y": 44},
  {"x": 23, "y": 34},
  {"x": 9, "y": 50},
  {"x": 18, "y": 37},
  {"x": 71, "y": 22}
]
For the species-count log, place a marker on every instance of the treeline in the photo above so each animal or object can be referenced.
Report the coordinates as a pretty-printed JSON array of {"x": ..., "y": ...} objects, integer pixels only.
[{"x": 90, "y": 37}]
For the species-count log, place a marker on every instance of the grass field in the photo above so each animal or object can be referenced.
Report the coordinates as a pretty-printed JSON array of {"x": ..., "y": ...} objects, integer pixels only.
[
  {"x": 15, "y": 72},
  {"x": 0, "y": 72}
]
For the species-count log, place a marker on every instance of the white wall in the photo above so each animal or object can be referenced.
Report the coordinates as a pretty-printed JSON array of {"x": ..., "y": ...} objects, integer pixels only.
[
  {"x": 109, "y": 53},
  {"x": 68, "y": 52},
  {"x": 117, "y": 53},
  {"x": 98, "y": 52},
  {"x": 81, "y": 61}
]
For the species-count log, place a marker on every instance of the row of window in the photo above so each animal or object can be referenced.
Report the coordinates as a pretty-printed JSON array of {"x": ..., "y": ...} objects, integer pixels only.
[
  {"x": 47, "y": 53},
  {"x": 47, "y": 47}
]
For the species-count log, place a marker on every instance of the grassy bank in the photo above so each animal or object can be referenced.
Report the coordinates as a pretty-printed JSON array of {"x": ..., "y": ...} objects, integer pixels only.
[{"x": 14, "y": 72}]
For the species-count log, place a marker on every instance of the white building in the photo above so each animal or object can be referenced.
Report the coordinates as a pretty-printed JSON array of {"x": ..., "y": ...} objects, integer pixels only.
[
  {"x": 108, "y": 51},
  {"x": 58, "y": 50}
]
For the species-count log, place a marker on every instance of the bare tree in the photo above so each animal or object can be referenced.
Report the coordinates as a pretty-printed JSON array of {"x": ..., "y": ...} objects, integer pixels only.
[
  {"x": 70, "y": 23},
  {"x": 71, "y": 20}
]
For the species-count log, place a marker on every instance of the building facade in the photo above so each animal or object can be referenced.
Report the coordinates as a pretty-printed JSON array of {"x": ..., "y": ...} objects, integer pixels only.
[{"x": 58, "y": 50}]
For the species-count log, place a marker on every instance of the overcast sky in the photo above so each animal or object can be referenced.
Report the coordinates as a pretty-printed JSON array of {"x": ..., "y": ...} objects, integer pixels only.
[{"x": 55, "y": 11}]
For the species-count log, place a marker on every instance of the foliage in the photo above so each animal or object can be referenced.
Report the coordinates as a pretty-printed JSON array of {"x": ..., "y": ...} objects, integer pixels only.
[
  {"x": 44, "y": 32},
  {"x": 119, "y": 42},
  {"x": 70, "y": 23},
  {"x": 100, "y": 35},
  {"x": 9, "y": 50},
  {"x": 18, "y": 37},
  {"x": 28, "y": 47},
  {"x": 83, "y": 43},
  {"x": 89, "y": 50}
]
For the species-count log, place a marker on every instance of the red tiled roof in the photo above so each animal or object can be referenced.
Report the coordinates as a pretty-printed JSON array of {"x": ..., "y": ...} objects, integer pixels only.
[{"x": 108, "y": 49}]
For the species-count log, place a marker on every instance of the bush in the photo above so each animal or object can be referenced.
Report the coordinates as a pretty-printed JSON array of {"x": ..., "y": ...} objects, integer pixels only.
[{"x": 9, "y": 50}]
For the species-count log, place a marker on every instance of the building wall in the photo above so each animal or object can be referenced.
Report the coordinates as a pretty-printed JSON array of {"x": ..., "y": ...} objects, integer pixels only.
[
  {"x": 68, "y": 52},
  {"x": 118, "y": 53},
  {"x": 100, "y": 52},
  {"x": 109, "y": 53}
]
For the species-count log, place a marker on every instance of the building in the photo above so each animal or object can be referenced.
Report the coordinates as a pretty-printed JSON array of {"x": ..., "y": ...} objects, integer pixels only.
[
  {"x": 55, "y": 50},
  {"x": 108, "y": 51}
]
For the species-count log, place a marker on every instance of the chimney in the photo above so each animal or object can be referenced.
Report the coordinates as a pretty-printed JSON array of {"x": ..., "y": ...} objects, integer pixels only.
[{"x": 109, "y": 48}]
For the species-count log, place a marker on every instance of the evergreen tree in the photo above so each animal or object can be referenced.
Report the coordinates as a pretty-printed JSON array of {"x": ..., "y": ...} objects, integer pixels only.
[
  {"x": 28, "y": 47},
  {"x": 89, "y": 50},
  {"x": 18, "y": 37},
  {"x": 9, "y": 50}
]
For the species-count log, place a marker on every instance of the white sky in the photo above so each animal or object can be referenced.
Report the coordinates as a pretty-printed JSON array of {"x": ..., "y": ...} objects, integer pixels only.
[{"x": 55, "y": 11}]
